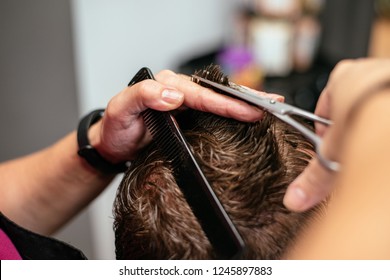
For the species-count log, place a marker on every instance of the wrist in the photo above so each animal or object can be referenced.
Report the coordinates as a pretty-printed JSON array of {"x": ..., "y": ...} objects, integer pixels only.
[{"x": 95, "y": 139}]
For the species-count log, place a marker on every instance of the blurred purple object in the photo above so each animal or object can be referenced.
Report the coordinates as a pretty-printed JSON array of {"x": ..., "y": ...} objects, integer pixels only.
[{"x": 233, "y": 59}]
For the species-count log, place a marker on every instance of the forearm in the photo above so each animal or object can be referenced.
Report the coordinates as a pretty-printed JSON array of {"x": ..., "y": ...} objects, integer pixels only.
[
  {"x": 44, "y": 190},
  {"x": 357, "y": 225}
]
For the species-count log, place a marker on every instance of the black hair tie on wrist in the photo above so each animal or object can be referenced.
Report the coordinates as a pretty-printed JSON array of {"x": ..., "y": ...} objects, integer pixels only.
[{"x": 89, "y": 153}]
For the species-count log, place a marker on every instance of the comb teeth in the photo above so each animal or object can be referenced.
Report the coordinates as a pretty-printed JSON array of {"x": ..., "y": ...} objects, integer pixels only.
[
  {"x": 159, "y": 125},
  {"x": 216, "y": 224},
  {"x": 205, "y": 205},
  {"x": 162, "y": 126}
]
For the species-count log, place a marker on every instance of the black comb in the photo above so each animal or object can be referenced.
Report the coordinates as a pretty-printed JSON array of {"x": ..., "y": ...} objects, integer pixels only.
[{"x": 219, "y": 229}]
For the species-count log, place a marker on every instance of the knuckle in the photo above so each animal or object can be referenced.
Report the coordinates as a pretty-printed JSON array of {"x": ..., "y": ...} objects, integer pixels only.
[
  {"x": 147, "y": 89},
  {"x": 343, "y": 64},
  {"x": 165, "y": 74},
  {"x": 112, "y": 108},
  {"x": 144, "y": 87}
]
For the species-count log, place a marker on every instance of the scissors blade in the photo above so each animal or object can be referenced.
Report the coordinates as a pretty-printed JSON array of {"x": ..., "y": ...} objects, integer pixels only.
[
  {"x": 268, "y": 104},
  {"x": 246, "y": 95}
]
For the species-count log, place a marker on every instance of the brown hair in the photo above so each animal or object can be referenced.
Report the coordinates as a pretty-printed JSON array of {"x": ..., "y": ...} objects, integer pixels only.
[{"x": 249, "y": 166}]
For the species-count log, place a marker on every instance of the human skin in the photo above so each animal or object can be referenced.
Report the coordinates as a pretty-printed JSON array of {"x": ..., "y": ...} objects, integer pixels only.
[
  {"x": 44, "y": 190},
  {"x": 356, "y": 225},
  {"x": 351, "y": 84}
]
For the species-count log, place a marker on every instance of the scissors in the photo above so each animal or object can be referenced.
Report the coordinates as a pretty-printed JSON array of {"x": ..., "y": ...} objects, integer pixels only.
[{"x": 282, "y": 111}]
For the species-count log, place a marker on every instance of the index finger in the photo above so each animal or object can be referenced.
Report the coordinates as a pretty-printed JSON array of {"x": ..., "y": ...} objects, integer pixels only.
[{"x": 204, "y": 99}]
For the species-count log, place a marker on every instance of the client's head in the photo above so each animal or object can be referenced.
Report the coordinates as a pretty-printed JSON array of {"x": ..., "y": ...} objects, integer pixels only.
[{"x": 249, "y": 166}]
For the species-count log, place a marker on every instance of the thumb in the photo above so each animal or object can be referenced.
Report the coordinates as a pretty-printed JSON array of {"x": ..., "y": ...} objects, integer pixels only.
[{"x": 309, "y": 188}]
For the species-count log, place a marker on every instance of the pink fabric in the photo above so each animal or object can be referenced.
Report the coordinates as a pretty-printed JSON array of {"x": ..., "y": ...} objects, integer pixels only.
[{"x": 7, "y": 248}]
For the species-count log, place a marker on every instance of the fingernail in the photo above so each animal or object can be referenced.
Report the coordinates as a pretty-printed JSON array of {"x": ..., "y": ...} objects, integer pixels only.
[
  {"x": 295, "y": 199},
  {"x": 277, "y": 97},
  {"x": 170, "y": 95}
]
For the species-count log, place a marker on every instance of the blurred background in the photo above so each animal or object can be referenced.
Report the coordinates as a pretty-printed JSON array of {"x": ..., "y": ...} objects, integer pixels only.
[{"x": 61, "y": 59}]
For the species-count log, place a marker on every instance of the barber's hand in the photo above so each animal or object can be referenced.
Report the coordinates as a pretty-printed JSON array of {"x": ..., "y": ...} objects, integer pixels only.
[
  {"x": 122, "y": 133},
  {"x": 349, "y": 83}
]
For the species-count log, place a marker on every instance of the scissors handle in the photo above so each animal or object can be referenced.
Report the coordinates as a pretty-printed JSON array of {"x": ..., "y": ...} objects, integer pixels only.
[
  {"x": 313, "y": 138},
  {"x": 291, "y": 110}
]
